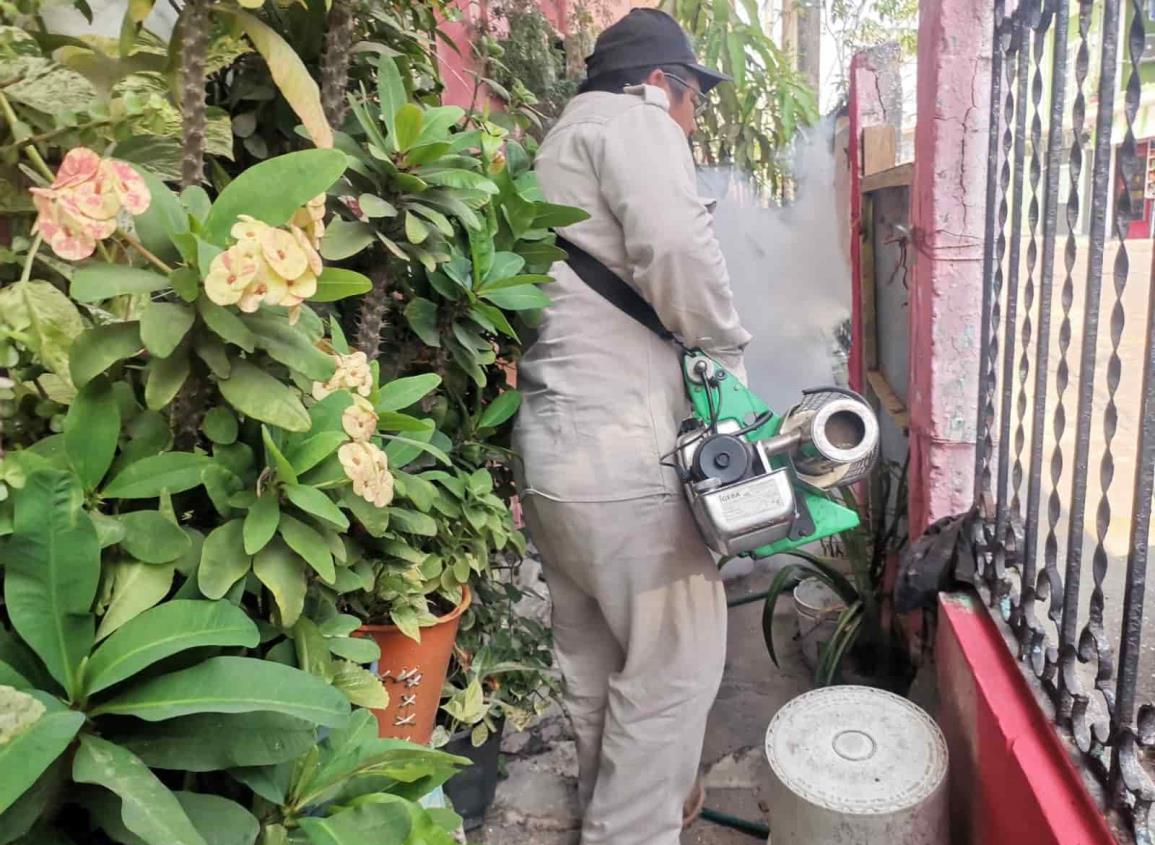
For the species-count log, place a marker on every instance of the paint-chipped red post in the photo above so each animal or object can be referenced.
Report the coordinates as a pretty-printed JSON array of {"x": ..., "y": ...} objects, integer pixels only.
[{"x": 947, "y": 203}]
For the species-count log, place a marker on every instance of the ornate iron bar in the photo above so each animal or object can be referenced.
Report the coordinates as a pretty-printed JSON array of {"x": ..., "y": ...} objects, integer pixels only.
[{"x": 1110, "y": 722}]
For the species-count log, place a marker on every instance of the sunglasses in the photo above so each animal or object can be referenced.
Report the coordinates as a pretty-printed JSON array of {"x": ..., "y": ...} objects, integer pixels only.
[{"x": 701, "y": 102}]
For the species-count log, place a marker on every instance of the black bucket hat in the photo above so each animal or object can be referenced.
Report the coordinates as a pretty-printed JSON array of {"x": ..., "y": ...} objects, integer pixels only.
[{"x": 647, "y": 38}]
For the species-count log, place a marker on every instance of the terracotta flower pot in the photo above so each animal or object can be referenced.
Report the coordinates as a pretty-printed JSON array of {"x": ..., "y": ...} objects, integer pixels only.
[{"x": 414, "y": 674}]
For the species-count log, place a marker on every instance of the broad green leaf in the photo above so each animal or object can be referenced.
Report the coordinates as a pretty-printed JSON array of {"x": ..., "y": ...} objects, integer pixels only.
[
  {"x": 219, "y": 820},
  {"x": 25, "y": 822},
  {"x": 208, "y": 742},
  {"x": 299, "y": 177},
  {"x": 168, "y": 629},
  {"x": 261, "y": 523},
  {"x": 373, "y": 206},
  {"x": 335, "y": 283},
  {"x": 9, "y": 677},
  {"x": 408, "y": 126},
  {"x": 223, "y": 559},
  {"x": 449, "y": 177},
  {"x": 521, "y": 298},
  {"x": 345, "y": 238},
  {"x": 554, "y": 216},
  {"x": 413, "y": 522},
  {"x": 135, "y": 588},
  {"x": 97, "y": 282},
  {"x": 487, "y": 315},
  {"x": 173, "y": 472},
  {"x": 275, "y": 459},
  {"x": 34, "y": 731},
  {"x": 148, "y": 807},
  {"x": 355, "y": 649},
  {"x": 163, "y": 326},
  {"x": 309, "y": 544},
  {"x": 153, "y": 538},
  {"x": 416, "y": 230},
  {"x": 164, "y": 217},
  {"x": 403, "y": 392},
  {"x": 513, "y": 282},
  {"x": 316, "y": 503},
  {"x": 258, "y": 395},
  {"x": 406, "y": 621},
  {"x": 373, "y": 823},
  {"x": 289, "y": 345},
  {"x": 312, "y": 450},
  {"x": 220, "y": 426},
  {"x": 91, "y": 431},
  {"x": 48, "y": 320},
  {"x": 231, "y": 685},
  {"x": 390, "y": 95},
  {"x": 164, "y": 377},
  {"x": 227, "y": 325},
  {"x": 500, "y": 409},
  {"x": 293, "y": 79},
  {"x": 398, "y": 445},
  {"x": 98, "y": 349},
  {"x": 51, "y": 572},
  {"x": 361, "y": 686},
  {"x": 392, "y": 421},
  {"x": 373, "y": 519},
  {"x": 283, "y": 573},
  {"x": 421, "y": 315}
]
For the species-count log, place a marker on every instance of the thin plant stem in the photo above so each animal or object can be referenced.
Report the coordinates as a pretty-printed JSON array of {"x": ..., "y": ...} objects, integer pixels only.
[{"x": 26, "y": 273}]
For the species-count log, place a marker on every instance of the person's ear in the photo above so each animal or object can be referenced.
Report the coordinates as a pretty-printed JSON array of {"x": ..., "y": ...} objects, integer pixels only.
[{"x": 657, "y": 78}]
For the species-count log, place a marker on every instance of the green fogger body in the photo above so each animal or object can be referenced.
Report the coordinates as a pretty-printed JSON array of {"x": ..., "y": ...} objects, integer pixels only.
[{"x": 759, "y": 483}]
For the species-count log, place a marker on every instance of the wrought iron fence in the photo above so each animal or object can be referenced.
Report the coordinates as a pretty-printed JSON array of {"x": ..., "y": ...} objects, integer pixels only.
[{"x": 1065, "y": 464}]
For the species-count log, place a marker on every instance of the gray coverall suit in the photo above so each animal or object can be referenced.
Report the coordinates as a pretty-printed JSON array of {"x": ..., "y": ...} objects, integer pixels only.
[{"x": 639, "y": 613}]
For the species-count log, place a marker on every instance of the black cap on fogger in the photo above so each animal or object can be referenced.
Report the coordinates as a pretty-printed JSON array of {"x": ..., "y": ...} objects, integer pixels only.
[{"x": 647, "y": 38}]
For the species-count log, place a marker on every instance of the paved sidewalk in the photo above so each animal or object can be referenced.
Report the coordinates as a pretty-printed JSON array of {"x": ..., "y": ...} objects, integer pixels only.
[{"x": 536, "y": 804}]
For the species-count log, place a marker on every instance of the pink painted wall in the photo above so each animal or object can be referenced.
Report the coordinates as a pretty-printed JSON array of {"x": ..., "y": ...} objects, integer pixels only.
[
  {"x": 947, "y": 204},
  {"x": 1011, "y": 778}
]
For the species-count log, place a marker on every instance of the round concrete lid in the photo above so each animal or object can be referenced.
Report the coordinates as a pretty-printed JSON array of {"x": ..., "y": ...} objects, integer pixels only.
[{"x": 856, "y": 750}]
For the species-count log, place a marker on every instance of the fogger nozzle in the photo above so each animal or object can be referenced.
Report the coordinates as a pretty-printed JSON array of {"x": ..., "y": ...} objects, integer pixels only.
[{"x": 838, "y": 437}]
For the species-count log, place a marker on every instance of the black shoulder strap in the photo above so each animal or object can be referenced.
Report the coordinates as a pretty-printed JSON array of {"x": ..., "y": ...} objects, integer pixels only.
[{"x": 612, "y": 288}]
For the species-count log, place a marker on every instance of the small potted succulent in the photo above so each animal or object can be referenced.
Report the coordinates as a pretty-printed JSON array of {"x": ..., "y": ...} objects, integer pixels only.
[{"x": 501, "y": 674}]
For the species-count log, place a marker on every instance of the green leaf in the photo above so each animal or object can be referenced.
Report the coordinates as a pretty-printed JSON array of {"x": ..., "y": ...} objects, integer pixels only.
[
  {"x": 135, "y": 588},
  {"x": 33, "y": 734},
  {"x": 344, "y": 239},
  {"x": 413, "y": 522},
  {"x": 521, "y": 298},
  {"x": 227, "y": 325},
  {"x": 416, "y": 231},
  {"x": 450, "y": 177},
  {"x": 208, "y": 742},
  {"x": 283, "y": 573},
  {"x": 368, "y": 824},
  {"x": 219, "y": 820},
  {"x": 310, "y": 545},
  {"x": 421, "y": 315},
  {"x": 373, "y": 206},
  {"x": 261, "y": 523},
  {"x": 289, "y": 345},
  {"x": 258, "y": 395},
  {"x": 97, "y": 282},
  {"x": 554, "y": 216},
  {"x": 148, "y": 807},
  {"x": 335, "y": 283},
  {"x": 275, "y": 459},
  {"x": 299, "y": 177},
  {"x": 173, "y": 472},
  {"x": 163, "y": 326},
  {"x": 513, "y": 282},
  {"x": 316, "y": 503},
  {"x": 373, "y": 519},
  {"x": 356, "y": 649},
  {"x": 390, "y": 94},
  {"x": 164, "y": 218},
  {"x": 392, "y": 421},
  {"x": 186, "y": 282},
  {"x": 312, "y": 450},
  {"x": 164, "y": 377},
  {"x": 361, "y": 686},
  {"x": 99, "y": 348},
  {"x": 153, "y": 538},
  {"x": 500, "y": 409},
  {"x": 91, "y": 431},
  {"x": 401, "y": 450},
  {"x": 232, "y": 685},
  {"x": 168, "y": 629},
  {"x": 220, "y": 426},
  {"x": 404, "y": 392},
  {"x": 223, "y": 559},
  {"x": 47, "y": 318},
  {"x": 408, "y": 126},
  {"x": 51, "y": 572}
]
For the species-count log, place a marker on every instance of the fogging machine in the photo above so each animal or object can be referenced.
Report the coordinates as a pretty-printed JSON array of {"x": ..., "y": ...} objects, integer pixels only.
[{"x": 757, "y": 483}]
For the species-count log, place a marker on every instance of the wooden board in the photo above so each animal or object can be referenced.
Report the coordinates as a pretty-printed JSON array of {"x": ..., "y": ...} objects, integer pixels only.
[
  {"x": 879, "y": 149},
  {"x": 888, "y": 399},
  {"x": 893, "y": 177}
]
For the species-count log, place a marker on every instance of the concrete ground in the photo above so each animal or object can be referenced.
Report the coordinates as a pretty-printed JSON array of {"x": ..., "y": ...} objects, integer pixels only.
[{"x": 536, "y": 803}]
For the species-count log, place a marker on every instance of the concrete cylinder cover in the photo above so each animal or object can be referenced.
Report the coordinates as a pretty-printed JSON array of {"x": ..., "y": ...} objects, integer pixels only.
[{"x": 856, "y": 766}]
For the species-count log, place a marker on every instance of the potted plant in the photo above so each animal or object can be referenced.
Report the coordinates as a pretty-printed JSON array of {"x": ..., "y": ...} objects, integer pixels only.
[
  {"x": 502, "y": 674},
  {"x": 845, "y": 630}
]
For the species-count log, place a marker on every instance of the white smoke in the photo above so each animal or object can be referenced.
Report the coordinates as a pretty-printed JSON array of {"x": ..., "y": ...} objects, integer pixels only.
[{"x": 789, "y": 269}]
